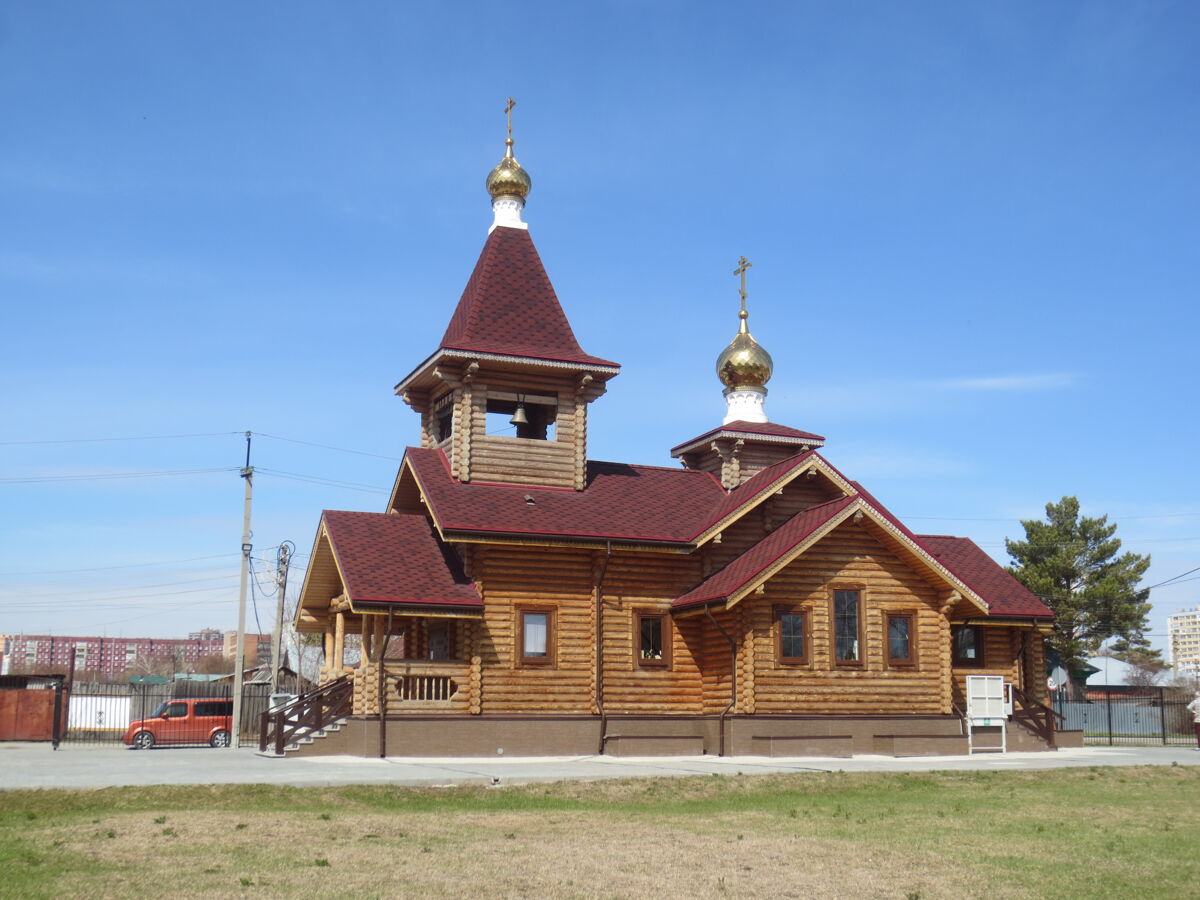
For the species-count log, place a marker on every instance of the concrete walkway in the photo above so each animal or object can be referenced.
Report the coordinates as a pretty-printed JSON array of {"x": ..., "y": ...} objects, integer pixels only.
[{"x": 37, "y": 766}]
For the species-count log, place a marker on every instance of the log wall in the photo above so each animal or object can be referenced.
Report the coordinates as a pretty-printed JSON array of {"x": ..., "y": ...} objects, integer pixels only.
[
  {"x": 490, "y": 678},
  {"x": 849, "y": 557}
]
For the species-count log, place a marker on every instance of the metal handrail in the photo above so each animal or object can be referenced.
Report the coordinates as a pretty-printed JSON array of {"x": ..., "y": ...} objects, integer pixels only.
[{"x": 307, "y": 713}]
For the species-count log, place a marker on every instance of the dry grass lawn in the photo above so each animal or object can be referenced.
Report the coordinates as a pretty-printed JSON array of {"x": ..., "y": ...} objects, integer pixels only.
[{"x": 1108, "y": 833}]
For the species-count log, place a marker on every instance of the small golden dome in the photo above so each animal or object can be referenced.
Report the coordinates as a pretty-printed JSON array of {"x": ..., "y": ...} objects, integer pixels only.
[
  {"x": 744, "y": 363},
  {"x": 508, "y": 179}
]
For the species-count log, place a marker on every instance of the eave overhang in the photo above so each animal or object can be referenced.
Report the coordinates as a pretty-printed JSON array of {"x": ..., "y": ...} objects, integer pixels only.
[{"x": 423, "y": 378}]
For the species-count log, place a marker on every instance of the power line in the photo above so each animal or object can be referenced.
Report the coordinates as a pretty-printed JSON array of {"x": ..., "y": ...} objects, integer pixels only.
[
  {"x": 139, "y": 587},
  {"x": 328, "y": 446},
  {"x": 1176, "y": 578},
  {"x": 166, "y": 562},
  {"x": 1187, "y": 515},
  {"x": 150, "y": 437},
  {"x": 104, "y": 476},
  {"x": 327, "y": 482}
]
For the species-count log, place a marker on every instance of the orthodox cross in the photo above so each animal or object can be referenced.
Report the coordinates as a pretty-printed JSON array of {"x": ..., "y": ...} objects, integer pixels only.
[
  {"x": 508, "y": 108},
  {"x": 743, "y": 265}
]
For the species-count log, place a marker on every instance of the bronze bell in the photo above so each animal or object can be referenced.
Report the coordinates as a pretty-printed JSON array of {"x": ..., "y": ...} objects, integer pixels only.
[{"x": 519, "y": 417}]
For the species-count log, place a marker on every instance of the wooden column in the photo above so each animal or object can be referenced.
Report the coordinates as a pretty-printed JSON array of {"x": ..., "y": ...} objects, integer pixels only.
[
  {"x": 339, "y": 643},
  {"x": 946, "y": 660}
]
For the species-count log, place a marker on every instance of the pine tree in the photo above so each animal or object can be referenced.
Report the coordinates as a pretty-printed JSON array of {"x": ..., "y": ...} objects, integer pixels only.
[{"x": 1072, "y": 563}]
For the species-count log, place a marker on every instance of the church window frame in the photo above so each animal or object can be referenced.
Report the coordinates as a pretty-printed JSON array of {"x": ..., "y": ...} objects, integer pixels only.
[
  {"x": 528, "y": 629},
  {"x": 791, "y": 635},
  {"x": 909, "y": 660},
  {"x": 842, "y": 636},
  {"x": 652, "y": 635}
]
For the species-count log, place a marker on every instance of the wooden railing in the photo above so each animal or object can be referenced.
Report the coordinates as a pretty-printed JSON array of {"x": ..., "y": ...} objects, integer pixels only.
[
  {"x": 307, "y": 713},
  {"x": 419, "y": 682},
  {"x": 1034, "y": 715},
  {"x": 425, "y": 687}
]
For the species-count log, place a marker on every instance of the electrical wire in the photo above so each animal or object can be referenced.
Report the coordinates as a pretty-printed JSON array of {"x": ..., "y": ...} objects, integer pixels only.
[
  {"x": 327, "y": 482},
  {"x": 254, "y": 597},
  {"x": 106, "y": 476},
  {"x": 151, "y": 437},
  {"x": 166, "y": 562},
  {"x": 1176, "y": 578},
  {"x": 277, "y": 437}
]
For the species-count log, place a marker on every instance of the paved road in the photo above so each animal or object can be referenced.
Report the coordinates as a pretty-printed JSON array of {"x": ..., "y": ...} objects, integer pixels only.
[{"x": 37, "y": 766}]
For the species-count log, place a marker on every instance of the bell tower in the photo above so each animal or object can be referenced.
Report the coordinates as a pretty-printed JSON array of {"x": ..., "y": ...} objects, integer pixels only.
[{"x": 506, "y": 393}]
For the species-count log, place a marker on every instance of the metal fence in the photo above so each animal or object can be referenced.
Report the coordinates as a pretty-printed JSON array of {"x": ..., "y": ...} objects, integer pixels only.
[
  {"x": 1151, "y": 715},
  {"x": 99, "y": 713}
]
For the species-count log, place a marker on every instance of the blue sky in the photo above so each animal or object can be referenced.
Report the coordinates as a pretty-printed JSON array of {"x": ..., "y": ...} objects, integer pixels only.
[{"x": 973, "y": 229}]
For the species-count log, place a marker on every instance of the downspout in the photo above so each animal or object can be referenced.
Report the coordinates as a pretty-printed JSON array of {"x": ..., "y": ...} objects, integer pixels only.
[
  {"x": 732, "y": 674},
  {"x": 599, "y": 591},
  {"x": 381, "y": 693}
]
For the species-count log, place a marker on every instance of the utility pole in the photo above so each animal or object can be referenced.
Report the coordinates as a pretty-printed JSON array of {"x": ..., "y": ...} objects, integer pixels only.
[
  {"x": 240, "y": 654},
  {"x": 281, "y": 573}
]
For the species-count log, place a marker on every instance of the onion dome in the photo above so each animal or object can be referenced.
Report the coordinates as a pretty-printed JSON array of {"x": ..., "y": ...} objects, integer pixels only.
[
  {"x": 744, "y": 363},
  {"x": 508, "y": 179}
]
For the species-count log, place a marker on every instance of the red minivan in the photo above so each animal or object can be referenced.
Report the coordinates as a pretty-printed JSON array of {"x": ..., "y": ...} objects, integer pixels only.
[{"x": 203, "y": 720}]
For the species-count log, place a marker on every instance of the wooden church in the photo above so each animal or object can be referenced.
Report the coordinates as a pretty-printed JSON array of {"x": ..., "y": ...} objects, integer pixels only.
[{"x": 517, "y": 597}]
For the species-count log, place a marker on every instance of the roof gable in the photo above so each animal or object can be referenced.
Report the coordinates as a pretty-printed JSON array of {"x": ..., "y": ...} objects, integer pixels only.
[
  {"x": 509, "y": 307},
  {"x": 760, "y": 562}
]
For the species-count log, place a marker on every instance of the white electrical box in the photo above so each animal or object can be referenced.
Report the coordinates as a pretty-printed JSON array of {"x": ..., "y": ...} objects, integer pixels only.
[{"x": 989, "y": 703}]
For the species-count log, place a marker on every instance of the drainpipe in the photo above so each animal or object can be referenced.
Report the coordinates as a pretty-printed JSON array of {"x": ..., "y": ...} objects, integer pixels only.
[
  {"x": 599, "y": 591},
  {"x": 381, "y": 692},
  {"x": 732, "y": 674}
]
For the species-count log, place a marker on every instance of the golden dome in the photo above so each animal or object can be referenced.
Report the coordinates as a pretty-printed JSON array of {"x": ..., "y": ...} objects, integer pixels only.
[
  {"x": 744, "y": 363},
  {"x": 508, "y": 179}
]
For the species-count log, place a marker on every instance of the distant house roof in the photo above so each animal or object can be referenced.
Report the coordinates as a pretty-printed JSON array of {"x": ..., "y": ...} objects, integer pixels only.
[
  {"x": 396, "y": 559},
  {"x": 1109, "y": 671}
]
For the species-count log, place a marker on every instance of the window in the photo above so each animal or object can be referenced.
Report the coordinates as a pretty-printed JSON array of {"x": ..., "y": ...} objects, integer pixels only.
[
  {"x": 439, "y": 640},
  {"x": 967, "y": 641},
  {"x": 792, "y": 646},
  {"x": 847, "y": 622},
  {"x": 175, "y": 711},
  {"x": 214, "y": 708},
  {"x": 654, "y": 640},
  {"x": 900, "y": 637},
  {"x": 536, "y": 637}
]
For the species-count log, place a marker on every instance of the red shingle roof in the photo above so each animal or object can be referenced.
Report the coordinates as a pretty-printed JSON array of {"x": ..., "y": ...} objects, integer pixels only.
[
  {"x": 645, "y": 504},
  {"x": 1005, "y": 595},
  {"x": 621, "y": 502},
  {"x": 768, "y": 432},
  {"x": 762, "y": 555},
  {"x": 509, "y": 306},
  {"x": 396, "y": 559}
]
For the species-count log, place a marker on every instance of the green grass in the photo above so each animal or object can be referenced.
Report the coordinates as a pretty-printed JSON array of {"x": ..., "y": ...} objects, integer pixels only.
[{"x": 1111, "y": 832}]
